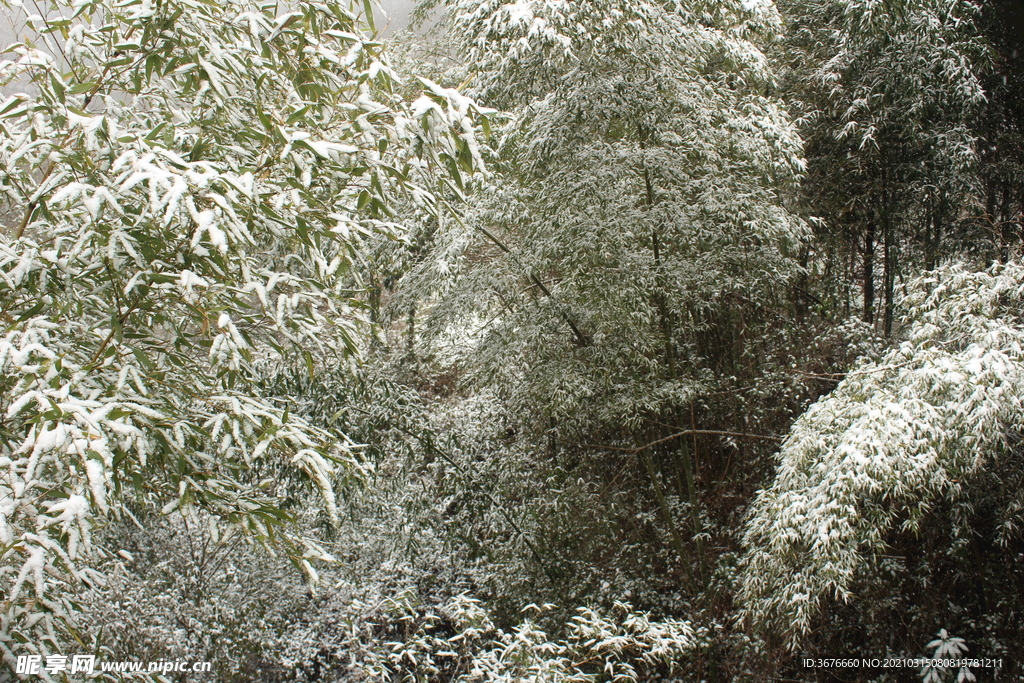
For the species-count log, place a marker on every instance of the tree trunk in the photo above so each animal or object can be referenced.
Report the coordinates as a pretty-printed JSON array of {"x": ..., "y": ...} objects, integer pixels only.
[
  {"x": 1005, "y": 223},
  {"x": 889, "y": 266},
  {"x": 666, "y": 511},
  {"x": 934, "y": 246},
  {"x": 410, "y": 334},
  {"x": 800, "y": 290},
  {"x": 990, "y": 214},
  {"x": 670, "y": 361},
  {"x": 869, "y": 273}
]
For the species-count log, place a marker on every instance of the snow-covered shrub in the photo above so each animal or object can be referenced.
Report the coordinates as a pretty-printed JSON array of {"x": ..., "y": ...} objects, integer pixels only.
[
  {"x": 946, "y": 648},
  {"x": 401, "y": 639},
  {"x": 898, "y": 438},
  {"x": 179, "y": 590}
]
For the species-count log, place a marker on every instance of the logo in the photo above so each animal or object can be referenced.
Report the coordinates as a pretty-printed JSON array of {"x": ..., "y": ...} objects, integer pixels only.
[
  {"x": 37, "y": 665},
  {"x": 31, "y": 664}
]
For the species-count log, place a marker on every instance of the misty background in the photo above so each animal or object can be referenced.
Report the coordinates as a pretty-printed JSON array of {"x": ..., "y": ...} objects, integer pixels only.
[{"x": 396, "y": 17}]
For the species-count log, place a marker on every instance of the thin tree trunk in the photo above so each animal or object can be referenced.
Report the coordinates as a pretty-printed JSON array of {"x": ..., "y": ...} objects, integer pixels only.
[
  {"x": 410, "y": 332},
  {"x": 887, "y": 276},
  {"x": 1005, "y": 223},
  {"x": 849, "y": 268},
  {"x": 800, "y": 290},
  {"x": 698, "y": 528},
  {"x": 666, "y": 511},
  {"x": 552, "y": 438},
  {"x": 869, "y": 273},
  {"x": 935, "y": 238},
  {"x": 990, "y": 214},
  {"x": 670, "y": 362}
]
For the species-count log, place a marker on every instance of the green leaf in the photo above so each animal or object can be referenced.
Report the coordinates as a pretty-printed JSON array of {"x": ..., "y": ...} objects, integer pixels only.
[
  {"x": 57, "y": 86},
  {"x": 296, "y": 116},
  {"x": 310, "y": 367},
  {"x": 368, "y": 15},
  {"x": 79, "y": 88},
  {"x": 12, "y": 104},
  {"x": 143, "y": 358},
  {"x": 31, "y": 312}
]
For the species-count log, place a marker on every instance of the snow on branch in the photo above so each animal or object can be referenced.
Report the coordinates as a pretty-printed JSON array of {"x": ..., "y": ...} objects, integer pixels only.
[{"x": 891, "y": 440}]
